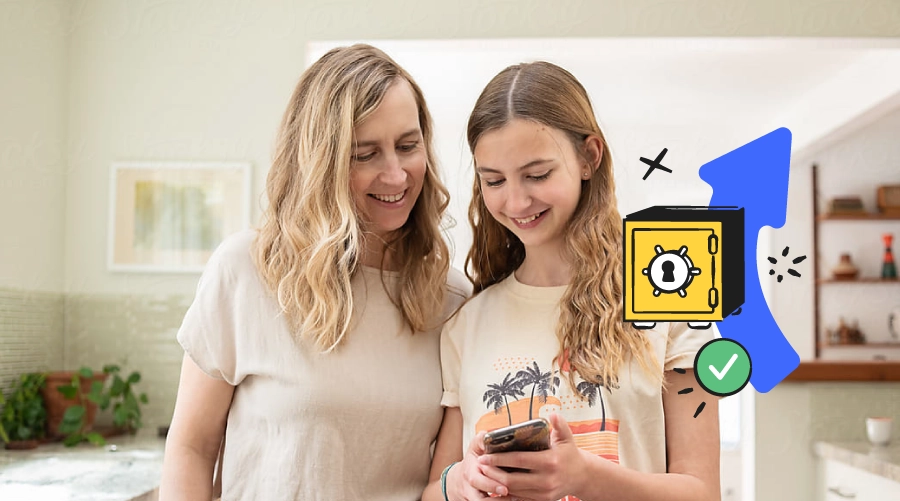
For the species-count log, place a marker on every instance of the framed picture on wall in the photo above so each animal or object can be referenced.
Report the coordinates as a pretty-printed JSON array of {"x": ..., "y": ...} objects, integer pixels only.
[{"x": 171, "y": 216}]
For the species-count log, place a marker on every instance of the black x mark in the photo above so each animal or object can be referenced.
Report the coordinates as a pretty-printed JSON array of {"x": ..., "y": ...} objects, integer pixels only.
[{"x": 655, "y": 164}]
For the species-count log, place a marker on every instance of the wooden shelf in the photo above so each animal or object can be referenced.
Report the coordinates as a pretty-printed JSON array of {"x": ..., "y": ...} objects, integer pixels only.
[
  {"x": 866, "y": 280},
  {"x": 846, "y": 371},
  {"x": 832, "y": 370},
  {"x": 862, "y": 345},
  {"x": 866, "y": 216}
]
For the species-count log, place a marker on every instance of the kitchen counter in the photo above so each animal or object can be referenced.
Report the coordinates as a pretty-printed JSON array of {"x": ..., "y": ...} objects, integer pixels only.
[
  {"x": 883, "y": 461},
  {"x": 127, "y": 468}
]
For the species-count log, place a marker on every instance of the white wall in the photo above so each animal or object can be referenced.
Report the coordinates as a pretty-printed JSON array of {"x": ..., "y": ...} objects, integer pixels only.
[
  {"x": 195, "y": 80},
  {"x": 32, "y": 143}
]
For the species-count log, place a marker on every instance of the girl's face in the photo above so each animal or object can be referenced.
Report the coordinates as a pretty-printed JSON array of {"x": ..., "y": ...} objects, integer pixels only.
[
  {"x": 387, "y": 169},
  {"x": 530, "y": 177}
]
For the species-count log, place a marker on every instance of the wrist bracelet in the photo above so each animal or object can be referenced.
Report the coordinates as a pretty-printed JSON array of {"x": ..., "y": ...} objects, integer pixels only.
[{"x": 444, "y": 480}]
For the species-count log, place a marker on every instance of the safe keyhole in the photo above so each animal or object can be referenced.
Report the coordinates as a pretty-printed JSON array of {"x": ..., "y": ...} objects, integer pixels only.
[{"x": 668, "y": 267}]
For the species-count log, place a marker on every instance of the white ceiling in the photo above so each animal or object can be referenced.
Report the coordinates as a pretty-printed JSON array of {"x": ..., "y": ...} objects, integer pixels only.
[{"x": 642, "y": 81}]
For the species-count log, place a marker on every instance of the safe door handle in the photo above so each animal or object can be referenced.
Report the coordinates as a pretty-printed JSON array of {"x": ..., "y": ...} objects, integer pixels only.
[
  {"x": 839, "y": 492},
  {"x": 712, "y": 244}
]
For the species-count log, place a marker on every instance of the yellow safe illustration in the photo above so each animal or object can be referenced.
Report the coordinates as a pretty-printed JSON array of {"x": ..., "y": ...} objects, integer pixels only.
[{"x": 683, "y": 264}]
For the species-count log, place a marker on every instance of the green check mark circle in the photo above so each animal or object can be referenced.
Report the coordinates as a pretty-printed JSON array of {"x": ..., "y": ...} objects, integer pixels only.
[{"x": 722, "y": 367}]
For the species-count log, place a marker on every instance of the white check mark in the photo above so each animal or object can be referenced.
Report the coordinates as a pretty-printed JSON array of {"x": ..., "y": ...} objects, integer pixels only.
[{"x": 720, "y": 375}]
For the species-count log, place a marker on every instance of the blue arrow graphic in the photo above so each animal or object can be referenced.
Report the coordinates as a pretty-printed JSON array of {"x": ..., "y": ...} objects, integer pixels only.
[{"x": 755, "y": 177}]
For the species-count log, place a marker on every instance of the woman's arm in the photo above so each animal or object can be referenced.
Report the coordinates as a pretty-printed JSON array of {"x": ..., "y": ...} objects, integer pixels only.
[
  {"x": 196, "y": 432},
  {"x": 692, "y": 448}
]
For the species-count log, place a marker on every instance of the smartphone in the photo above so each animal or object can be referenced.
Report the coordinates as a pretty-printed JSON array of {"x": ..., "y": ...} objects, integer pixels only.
[{"x": 531, "y": 435}]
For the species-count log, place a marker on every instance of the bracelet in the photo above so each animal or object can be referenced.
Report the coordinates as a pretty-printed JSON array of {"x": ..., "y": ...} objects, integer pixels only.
[{"x": 444, "y": 480}]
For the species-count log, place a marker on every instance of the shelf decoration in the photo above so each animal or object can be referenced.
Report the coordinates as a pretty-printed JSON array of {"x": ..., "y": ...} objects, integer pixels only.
[
  {"x": 889, "y": 200},
  {"x": 845, "y": 270},
  {"x": 845, "y": 206},
  {"x": 844, "y": 334},
  {"x": 888, "y": 268},
  {"x": 894, "y": 324}
]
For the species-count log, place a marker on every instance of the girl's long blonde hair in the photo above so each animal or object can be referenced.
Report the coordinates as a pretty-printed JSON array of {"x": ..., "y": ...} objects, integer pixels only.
[
  {"x": 309, "y": 246},
  {"x": 592, "y": 336}
]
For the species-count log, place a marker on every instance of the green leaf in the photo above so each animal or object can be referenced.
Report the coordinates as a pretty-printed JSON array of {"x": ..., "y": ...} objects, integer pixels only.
[
  {"x": 68, "y": 391},
  {"x": 31, "y": 413},
  {"x": 73, "y": 440},
  {"x": 74, "y": 413},
  {"x": 118, "y": 387},
  {"x": 144, "y": 398},
  {"x": 67, "y": 428},
  {"x": 96, "y": 393},
  {"x": 3, "y": 435},
  {"x": 97, "y": 387},
  {"x": 134, "y": 378},
  {"x": 24, "y": 433},
  {"x": 104, "y": 402},
  {"x": 95, "y": 438},
  {"x": 110, "y": 369},
  {"x": 120, "y": 415},
  {"x": 86, "y": 372}
]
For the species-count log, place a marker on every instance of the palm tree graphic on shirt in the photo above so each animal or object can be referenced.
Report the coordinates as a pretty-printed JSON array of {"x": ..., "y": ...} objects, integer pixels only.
[
  {"x": 591, "y": 392},
  {"x": 542, "y": 383},
  {"x": 596, "y": 436},
  {"x": 496, "y": 396}
]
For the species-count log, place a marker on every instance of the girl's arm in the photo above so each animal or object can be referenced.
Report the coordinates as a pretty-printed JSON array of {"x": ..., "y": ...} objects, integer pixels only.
[
  {"x": 198, "y": 425},
  {"x": 464, "y": 481},
  {"x": 447, "y": 449},
  {"x": 692, "y": 449}
]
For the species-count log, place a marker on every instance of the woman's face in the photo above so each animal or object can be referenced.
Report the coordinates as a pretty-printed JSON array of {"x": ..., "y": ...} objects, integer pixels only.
[
  {"x": 387, "y": 168},
  {"x": 530, "y": 177}
]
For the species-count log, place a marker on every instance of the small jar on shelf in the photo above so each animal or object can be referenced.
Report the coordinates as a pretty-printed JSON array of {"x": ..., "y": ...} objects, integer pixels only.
[{"x": 845, "y": 269}]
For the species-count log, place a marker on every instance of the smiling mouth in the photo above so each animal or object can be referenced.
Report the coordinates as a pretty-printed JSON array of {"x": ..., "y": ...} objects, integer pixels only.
[
  {"x": 529, "y": 218},
  {"x": 389, "y": 198}
]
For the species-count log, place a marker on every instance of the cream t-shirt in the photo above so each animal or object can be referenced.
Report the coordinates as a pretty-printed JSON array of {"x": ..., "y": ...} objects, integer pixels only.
[
  {"x": 356, "y": 423},
  {"x": 498, "y": 368}
]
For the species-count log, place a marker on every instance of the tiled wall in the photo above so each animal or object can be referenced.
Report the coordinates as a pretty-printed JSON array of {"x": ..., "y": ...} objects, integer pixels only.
[
  {"x": 838, "y": 411},
  {"x": 42, "y": 331},
  {"x": 136, "y": 332},
  {"x": 31, "y": 333}
]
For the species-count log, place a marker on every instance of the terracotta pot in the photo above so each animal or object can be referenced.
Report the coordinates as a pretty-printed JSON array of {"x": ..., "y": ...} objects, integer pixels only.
[
  {"x": 57, "y": 404},
  {"x": 22, "y": 445}
]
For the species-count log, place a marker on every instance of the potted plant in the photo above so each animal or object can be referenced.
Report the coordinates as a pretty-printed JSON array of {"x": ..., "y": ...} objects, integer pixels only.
[
  {"x": 126, "y": 404},
  {"x": 77, "y": 420},
  {"x": 71, "y": 398},
  {"x": 23, "y": 417}
]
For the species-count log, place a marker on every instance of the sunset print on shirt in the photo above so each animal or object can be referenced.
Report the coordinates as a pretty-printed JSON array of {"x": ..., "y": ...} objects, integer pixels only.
[{"x": 524, "y": 391}]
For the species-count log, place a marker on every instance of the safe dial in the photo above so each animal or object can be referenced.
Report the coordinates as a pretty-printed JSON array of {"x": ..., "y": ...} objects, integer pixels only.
[{"x": 670, "y": 271}]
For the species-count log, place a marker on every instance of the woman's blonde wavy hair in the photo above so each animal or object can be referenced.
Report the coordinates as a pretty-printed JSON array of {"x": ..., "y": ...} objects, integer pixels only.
[
  {"x": 309, "y": 245},
  {"x": 592, "y": 336}
]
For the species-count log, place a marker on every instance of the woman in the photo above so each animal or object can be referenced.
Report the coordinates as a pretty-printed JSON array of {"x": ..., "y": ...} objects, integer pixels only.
[
  {"x": 544, "y": 335},
  {"x": 315, "y": 338}
]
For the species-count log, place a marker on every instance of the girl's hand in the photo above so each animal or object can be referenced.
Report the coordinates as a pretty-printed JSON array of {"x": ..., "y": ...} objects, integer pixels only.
[
  {"x": 465, "y": 480},
  {"x": 553, "y": 474}
]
